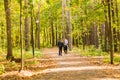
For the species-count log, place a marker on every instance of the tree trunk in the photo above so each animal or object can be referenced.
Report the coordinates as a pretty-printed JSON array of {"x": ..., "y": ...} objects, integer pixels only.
[
  {"x": 2, "y": 36},
  {"x": 52, "y": 28},
  {"x": 69, "y": 27},
  {"x": 47, "y": 35},
  {"x": 8, "y": 25},
  {"x": 38, "y": 26},
  {"x": 106, "y": 27},
  {"x": 26, "y": 38},
  {"x": 114, "y": 29},
  {"x": 117, "y": 22},
  {"x": 21, "y": 42},
  {"x": 106, "y": 36},
  {"x": 63, "y": 18},
  {"x": 32, "y": 33},
  {"x": 110, "y": 32},
  {"x": 44, "y": 39},
  {"x": 83, "y": 41},
  {"x": 119, "y": 39},
  {"x": 36, "y": 35},
  {"x": 56, "y": 34},
  {"x": 96, "y": 36}
]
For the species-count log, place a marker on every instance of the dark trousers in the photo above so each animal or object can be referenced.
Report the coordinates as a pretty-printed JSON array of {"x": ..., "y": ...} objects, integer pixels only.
[
  {"x": 65, "y": 49},
  {"x": 60, "y": 51}
]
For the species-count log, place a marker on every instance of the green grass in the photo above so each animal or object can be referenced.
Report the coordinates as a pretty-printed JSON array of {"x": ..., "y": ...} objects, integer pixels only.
[
  {"x": 89, "y": 51},
  {"x": 11, "y": 66},
  {"x": 34, "y": 62},
  {"x": 17, "y": 53},
  {"x": 2, "y": 54},
  {"x": 92, "y": 51},
  {"x": 27, "y": 54},
  {"x": 2, "y": 69},
  {"x": 8, "y": 66},
  {"x": 116, "y": 59}
]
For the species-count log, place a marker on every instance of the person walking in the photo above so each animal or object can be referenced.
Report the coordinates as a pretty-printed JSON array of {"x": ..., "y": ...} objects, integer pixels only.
[
  {"x": 60, "y": 45},
  {"x": 65, "y": 46}
]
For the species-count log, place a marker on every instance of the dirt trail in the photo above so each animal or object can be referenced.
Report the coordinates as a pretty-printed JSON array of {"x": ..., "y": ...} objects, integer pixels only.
[{"x": 73, "y": 67}]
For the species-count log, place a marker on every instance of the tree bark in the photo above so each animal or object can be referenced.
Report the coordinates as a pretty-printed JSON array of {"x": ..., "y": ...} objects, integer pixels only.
[
  {"x": 117, "y": 22},
  {"x": 52, "y": 28},
  {"x": 56, "y": 33},
  {"x": 106, "y": 26},
  {"x": 114, "y": 29},
  {"x": 95, "y": 36},
  {"x": 69, "y": 27},
  {"x": 110, "y": 32},
  {"x": 63, "y": 18},
  {"x": 21, "y": 41},
  {"x": 32, "y": 31},
  {"x": 8, "y": 25},
  {"x": 27, "y": 30},
  {"x": 38, "y": 26},
  {"x": 2, "y": 36}
]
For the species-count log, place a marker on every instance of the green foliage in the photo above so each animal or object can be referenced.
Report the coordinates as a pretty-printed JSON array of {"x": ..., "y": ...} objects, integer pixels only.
[
  {"x": 117, "y": 59},
  {"x": 29, "y": 63},
  {"x": 27, "y": 54},
  {"x": 90, "y": 51},
  {"x": 107, "y": 60},
  {"x": 74, "y": 2},
  {"x": 2, "y": 69},
  {"x": 11, "y": 66},
  {"x": 2, "y": 54},
  {"x": 47, "y": 1}
]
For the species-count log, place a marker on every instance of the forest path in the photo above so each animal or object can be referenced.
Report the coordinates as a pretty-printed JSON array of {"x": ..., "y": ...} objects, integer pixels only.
[
  {"x": 67, "y": 67},
  {"x": 74, "y": 67}
]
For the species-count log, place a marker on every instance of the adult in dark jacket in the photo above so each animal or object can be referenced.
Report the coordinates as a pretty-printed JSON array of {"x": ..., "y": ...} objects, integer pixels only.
[{"x": 60, "y": 45}]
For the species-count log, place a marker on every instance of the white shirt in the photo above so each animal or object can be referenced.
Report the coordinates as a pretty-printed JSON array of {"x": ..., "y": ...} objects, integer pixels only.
[{"x": 66, "y": 42}]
